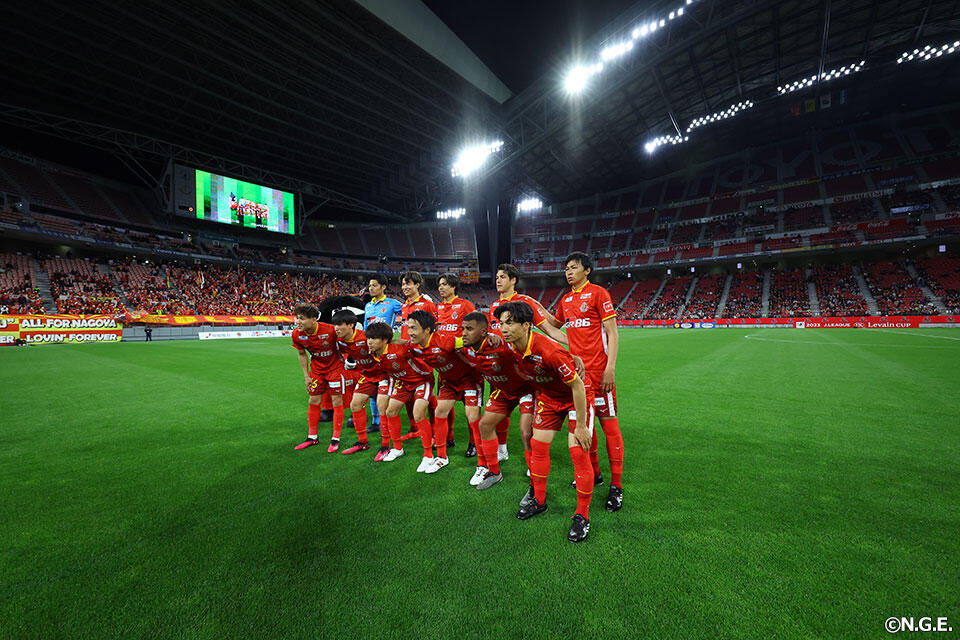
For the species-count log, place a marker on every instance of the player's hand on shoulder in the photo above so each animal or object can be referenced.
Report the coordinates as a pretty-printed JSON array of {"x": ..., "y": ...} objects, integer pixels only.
[
  {"x": 349, "y": 364},
  {"x": 494, "y": 340}
]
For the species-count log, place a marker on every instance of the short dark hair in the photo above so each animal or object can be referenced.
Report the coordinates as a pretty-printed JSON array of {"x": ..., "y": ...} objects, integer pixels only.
[
  {"x": 476, "y": 316},
  {"x": 380, "y": 278},
  {"x": 585, "y": 261},
  {"x": 345, "y": 316},
  {"x": 453, "y": 280},
  {"x": 511, "y": 270},
  {"x": 379, "y": 331},
  {"x": 519, "y": 312},
  {"x": 307, "y": 311},
  {"x": 412, "y": 276},
  {"x": 424, "y": 318}
]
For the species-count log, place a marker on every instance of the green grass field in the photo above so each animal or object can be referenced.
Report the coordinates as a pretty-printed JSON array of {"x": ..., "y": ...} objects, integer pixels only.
[{"x": 778, "y": 484}]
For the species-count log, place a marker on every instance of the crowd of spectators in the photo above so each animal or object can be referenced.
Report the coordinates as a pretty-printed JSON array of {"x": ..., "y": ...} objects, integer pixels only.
[
  {"x": 838, "y": 291},
  {"x": 18, "y": 291},
  {"x": 745, "y": 296},
  {"x": 942, "y": 274},
  {"x": 895, "y": 291},
  {"x": 671, "y": 298},
  {"x": 788, "y": 294},
  {"x": 79, "y": 287},
  {"x": 706, "y": 296}
]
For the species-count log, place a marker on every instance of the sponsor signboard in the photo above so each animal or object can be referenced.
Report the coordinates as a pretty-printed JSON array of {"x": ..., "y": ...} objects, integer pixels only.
[{"x": 59, "y": 329}]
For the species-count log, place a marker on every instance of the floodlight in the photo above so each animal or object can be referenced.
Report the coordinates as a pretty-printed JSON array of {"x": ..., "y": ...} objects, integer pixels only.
[
  {"x": 451, "y": 214},
  {"x": 530, "y": 204},
  {"x": 576, "y": 79},
  {"x": 472, "y": 158}
]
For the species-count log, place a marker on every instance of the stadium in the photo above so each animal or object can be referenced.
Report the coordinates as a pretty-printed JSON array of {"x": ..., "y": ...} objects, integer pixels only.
[{"x": 295, "y": 300}]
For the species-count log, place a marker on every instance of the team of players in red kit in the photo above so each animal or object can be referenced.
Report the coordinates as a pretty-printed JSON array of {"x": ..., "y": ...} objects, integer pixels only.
[{"x": 523, "y": 369}]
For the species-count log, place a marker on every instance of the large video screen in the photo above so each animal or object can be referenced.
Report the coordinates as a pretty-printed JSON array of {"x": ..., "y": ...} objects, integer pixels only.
[{"x": 232, "y": 201}]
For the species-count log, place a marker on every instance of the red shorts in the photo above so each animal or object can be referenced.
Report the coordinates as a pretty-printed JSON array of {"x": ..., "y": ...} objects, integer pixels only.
[
  {"x": 405, "y": 391},
  {"x": 335, "y": 382},
  {"x": 504, "y": 403},
  {"x": 551, "y": 412},
  {"x": 467, "y": 391},
  {"x": 604, "y": 404},
  {"x": 372, "y": 388}
]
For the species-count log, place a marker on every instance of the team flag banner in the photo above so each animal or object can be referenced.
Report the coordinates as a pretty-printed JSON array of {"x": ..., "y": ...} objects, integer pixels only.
[
  {"x": 183, "y": 321},
  {"x": 58, "y": 329}
]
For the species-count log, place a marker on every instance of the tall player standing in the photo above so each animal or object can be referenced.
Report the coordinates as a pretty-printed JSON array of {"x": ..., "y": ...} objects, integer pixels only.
[
  {"x": 591, "y": 322},
  {"x": 316, "y": 344},
  {"x": 450, "y": 313},
  {"x": 561, "y": 394}
]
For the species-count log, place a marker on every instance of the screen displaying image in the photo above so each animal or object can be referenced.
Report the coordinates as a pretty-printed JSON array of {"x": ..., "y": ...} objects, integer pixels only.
[{"x": 232, "y": 201}]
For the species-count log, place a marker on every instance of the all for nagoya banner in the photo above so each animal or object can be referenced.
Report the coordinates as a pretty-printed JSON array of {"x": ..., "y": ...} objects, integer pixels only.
[
  {"x": 180, "y": 321},
  {"x": 59, "y": 329}
]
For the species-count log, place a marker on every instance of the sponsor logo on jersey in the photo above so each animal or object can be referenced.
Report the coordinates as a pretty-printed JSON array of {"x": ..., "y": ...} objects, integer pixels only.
[
  {"x": 568, "y": 299},
  {"x": 578, "y": 323}
]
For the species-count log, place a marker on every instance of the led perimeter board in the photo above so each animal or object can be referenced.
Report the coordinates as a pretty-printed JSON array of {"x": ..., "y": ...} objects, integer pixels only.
[{"x": 232, "y": 201}]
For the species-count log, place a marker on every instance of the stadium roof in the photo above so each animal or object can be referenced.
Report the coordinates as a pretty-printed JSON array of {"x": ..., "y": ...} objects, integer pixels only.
[{"x": 363, "y": 118}]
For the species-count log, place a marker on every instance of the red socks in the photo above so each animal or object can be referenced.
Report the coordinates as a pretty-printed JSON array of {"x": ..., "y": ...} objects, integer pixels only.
[
  {"x": 313, "y": 418},
  {"x": 325, "y": 402},
  {"x": 396, "y": 426},
  {"x": 489, "y": 448},
  {"x": 502, "y": 429},
  {"x": 611, "y": 432},
  {"x": 440, "y": 435},
  {"x": 583, "y": 472},
  {"x": 360, "y": 424},
  {"x": 337, "y": 421},
  {"x": 539, "y": 469},
  {"x": 594, "y": 460},
  {"x": 475, "y": 438},
  {"x": 426, "y": 437},
  {"x": 527, "y": 454}
]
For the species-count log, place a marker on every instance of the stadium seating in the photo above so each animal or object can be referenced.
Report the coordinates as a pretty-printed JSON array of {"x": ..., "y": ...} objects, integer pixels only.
[
  {"x": 942, "y": 275},
  {"x": 80, "y": 287},
  {"x": 670, "y": 301},
  {"x": 706, "y": 296},
  {"x": 895, "y": 291},
  {"x": 788, "y": 294},
  {"x": 633, "y": 306},
  {"x": 745, "y": 296},
  {"x": 837, "y": 291},
  {"x": 18, "y": 293}
]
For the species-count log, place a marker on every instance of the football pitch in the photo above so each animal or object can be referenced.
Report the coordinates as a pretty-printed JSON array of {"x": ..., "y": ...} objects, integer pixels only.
[{"x": 777, "y": 484}]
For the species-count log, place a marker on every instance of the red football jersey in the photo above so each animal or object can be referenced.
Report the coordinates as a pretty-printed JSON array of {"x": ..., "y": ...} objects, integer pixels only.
[
  {"x": 498, "y": 366},
  {"x": 441, "y": 354},
  {"x": 538, "y": 317},
  {"x": 322, "y": 347},
  {"x": 450, "y": 316},
  {"x": 356, "y": 349},
  {"x": 548, "y": 366},
  {"x": 583, "y": 311},
  {"x": 400, "y": 363},
  {"x": 422, "y": 303}
]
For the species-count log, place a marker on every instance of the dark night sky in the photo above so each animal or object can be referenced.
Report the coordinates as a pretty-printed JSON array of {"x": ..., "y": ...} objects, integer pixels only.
[{"x": 520, "y": 40}]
